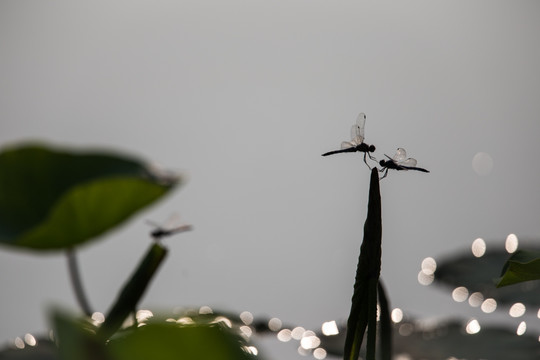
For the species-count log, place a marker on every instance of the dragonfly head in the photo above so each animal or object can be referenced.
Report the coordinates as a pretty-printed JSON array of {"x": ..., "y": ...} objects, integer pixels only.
[
  {"x": 382, "y": 162},
  {"x": 371, "y": 148}
]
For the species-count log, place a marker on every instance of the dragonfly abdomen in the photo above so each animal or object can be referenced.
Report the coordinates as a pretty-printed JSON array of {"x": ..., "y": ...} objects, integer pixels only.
[
  {"x": 415, "y": 168},
  {"x": 351, "y": 149}
]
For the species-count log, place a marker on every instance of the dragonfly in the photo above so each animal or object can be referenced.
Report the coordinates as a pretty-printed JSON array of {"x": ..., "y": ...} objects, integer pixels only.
[
  {"x": 399, "y": 162},
  {"x": 161, "y": 231},
  {"x": 357, "y": 141}
]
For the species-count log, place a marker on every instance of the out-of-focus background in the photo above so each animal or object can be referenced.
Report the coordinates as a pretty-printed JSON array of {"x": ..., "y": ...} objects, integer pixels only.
[{"x": 243, "y": 97}]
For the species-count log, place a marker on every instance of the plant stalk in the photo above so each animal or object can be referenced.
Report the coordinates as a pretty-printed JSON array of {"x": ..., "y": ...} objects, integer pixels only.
[
  {"x": 133, "y": 290},
  {"x": 76, "y": 282}
]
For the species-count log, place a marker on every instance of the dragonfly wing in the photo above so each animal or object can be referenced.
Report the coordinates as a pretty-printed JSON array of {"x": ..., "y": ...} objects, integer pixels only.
[
  {"x": 357, "y": 130},
  {"x": 181, "y": 228},
  {"x": 356, "y": 139},
  {"x": 400, "y": 155},
  {"x": 410, "y": 162},
  {"x": 347, "y": 144},
  {"x": 153, "y": 223},
  {"x": 361, "y": 122},
  {"x": 172, "y": 221}
]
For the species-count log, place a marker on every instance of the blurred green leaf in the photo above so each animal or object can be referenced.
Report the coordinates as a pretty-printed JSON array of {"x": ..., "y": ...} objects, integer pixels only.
[
  {"x": 206, "y": 337},
  {"x": 522, "y": 266},
  {"x": 364, "y": 299},
  {"x": 446, "y": 340},
  {"x": 169, "y": 341},
  {"x": 477, "y": 274},
  {"x": 54, "y": 198},
  {"x": 76, "y": 338}
]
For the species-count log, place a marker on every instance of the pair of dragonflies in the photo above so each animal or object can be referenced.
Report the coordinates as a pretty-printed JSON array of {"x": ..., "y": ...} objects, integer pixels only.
[{"x": 398, "y": 162}]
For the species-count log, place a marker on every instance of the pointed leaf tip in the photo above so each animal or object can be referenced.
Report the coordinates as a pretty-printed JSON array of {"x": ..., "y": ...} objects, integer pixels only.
[{"x": 521, "y": 266}]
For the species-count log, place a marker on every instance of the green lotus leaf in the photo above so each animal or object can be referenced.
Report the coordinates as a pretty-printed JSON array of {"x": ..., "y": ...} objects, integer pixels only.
[
  {"x": 448, "y": 339},
  {"x": 206, "y": 337},
  {"x": 53, "y": 198},
  {"x": 522, "y": 266},
  {"x": 478, "y": 274},
  {"x": 169, "y": 341}
]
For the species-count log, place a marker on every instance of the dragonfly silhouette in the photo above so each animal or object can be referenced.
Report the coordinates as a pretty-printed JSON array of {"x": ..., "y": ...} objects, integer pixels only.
[
  {"x": 399, "y": 162},
  {"x": 162, "y": 231},
  {"x": 357, "y": 141}
]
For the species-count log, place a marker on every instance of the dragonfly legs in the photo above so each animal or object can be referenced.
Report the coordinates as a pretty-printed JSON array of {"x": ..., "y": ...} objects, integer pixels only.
[
  {"x": 371, "y": 157},
  {"x": 365, "y": 161},
  {"x": 385, "y": 170}
]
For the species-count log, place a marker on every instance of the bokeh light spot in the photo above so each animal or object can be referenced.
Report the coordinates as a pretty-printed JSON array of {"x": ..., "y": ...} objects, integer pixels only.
[
  {"x": 30, "y": 339},
  {"x": 98, "y": 318},
  {"x": 397, "y": 315},
  {"x": 460, "y": 294},
  {"x": 319, "y": 353},
  {"x": 425, "y": 279},
  {"x": 482, "y": 163},
  {"x": 19, "y": 343},
  {"x": 297, "y": 332},
  {"x": 186, "y": 320},
  {"x": 406, "y": 329},
  {"x": 223, "y": 320},
  {"x": 403, "y": 357},
  {"x": 478, "y": 247},
  {"x": 476, "y": 299},
  {"x": 205, "y": 310},
  {"x": 489, "y": 305},
  {"x": 252, "y": 350},
  {"x": 284, "y": 335},
  {"x": 274, "y": 324},
  {"x": 302, "y": 351},
  {"x": 310, "y": 340},
  {"x": 246, "y": 330},
  {"x": 517, "y": 310},
  {"x": 429, "y": 265},
  {"x": 522, "y": 327},
  {"x": 511, "y": 243},
  {"x": 143, "y": 315},
  {"x": 246, "y": 317},
  {"x": 329, "y": 328},
  {"x": 473, "y": 327}
]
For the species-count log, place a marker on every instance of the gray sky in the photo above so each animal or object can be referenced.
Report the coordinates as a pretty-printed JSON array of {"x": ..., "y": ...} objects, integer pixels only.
[{"x": 244, "y": 97}]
